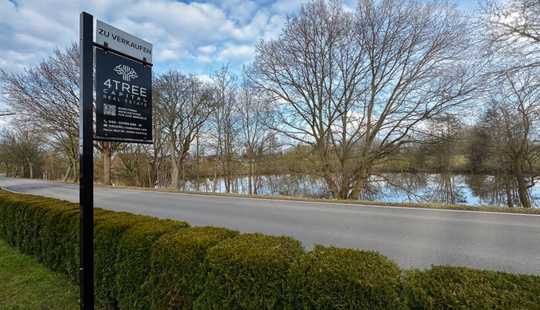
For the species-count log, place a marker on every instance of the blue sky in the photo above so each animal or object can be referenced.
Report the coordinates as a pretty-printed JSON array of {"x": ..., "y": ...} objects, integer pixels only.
[{"x": 195, "y": 37}]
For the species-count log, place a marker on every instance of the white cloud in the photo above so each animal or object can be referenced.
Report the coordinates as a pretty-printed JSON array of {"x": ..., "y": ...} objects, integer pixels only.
[
  {"x": 207, "y": 49},
  {"x": 236, "y": 53},
  {"x": 196, "y": 35},
  {"x": 239, "y": 10},
  {"x": 167, "y": 54}
]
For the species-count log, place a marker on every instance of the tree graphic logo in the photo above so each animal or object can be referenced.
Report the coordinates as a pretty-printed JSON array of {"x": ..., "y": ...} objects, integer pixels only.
[{"x": 126, "y": 72}]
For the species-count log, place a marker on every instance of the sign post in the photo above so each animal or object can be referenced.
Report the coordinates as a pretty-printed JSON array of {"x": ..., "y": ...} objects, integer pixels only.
[
  {"x": 86, "y": 157},
  {"x": 123, "y": 114}
]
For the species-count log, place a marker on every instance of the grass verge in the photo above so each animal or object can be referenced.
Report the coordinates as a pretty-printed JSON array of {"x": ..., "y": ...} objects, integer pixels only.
[{"x": 26, "y": 284}]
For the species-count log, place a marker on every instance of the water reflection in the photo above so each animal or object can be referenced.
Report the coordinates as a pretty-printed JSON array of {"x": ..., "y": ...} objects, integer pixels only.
[{"x": 397, "y": 187}]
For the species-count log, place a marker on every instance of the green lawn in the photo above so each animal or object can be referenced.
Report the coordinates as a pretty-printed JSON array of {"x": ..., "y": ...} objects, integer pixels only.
[{"x": 26, "y": 284}]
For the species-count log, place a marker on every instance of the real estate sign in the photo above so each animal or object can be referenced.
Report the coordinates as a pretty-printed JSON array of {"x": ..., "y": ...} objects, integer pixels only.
[
  {"x": 123, "y": 86},
  {"x": 123, "y": 99}
]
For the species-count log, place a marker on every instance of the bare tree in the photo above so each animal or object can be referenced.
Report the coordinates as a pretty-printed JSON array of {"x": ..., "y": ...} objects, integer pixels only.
[
  {"x": 440, "y": 141},
  {"x": 356, "y": 87},
  {"x": 512, "y": 30},
  {"x": 253, "y": 109},
  {"x": 183, "y": 105},
  {"x": 513, "y": 124},
  {"x": 146, "y": 164},
  {"x": 107, "y": 149},
  {"x": 21, "y": 151},
  {"x": 47, "y": 96},
  {"x": 225, "y": 124}
]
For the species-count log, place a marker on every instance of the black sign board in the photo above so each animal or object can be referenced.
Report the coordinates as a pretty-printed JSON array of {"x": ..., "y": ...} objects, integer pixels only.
[{"x": 123, "y": 99}]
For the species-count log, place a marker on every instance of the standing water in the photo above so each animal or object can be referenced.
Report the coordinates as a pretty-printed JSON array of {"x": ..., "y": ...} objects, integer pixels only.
[{"x": 472, "y": 190}]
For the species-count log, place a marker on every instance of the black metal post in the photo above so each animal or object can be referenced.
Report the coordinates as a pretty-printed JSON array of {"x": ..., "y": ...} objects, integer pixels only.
[{"x": 86, "y": 181}]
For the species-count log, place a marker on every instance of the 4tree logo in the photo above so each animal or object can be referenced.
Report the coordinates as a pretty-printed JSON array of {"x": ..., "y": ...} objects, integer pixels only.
[{"x": 126, "y": 72}]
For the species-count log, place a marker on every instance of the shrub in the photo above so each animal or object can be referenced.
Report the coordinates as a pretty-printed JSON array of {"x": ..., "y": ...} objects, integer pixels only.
[
  {"x": 44, "y": 227},
  {"x": 133, "y": 261},
  {"x": 59, "y": 240},
  {"x": 19, "y": 214},
  {"x": 177, "y": 269},
  {"x": 334, "y": 278},
  {"x": 108, "y": 230},
  {"x": 145, "y": 263},
  {"x": 464, "y": 288},
  {"x": 248, "y": 272}
]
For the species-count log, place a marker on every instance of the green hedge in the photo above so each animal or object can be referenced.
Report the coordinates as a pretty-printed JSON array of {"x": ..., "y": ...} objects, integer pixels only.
[
  {"x": 133, "y": 261},
  {"x": 334, "y": 278},
  {"x": 145, "y": 263},
  {"x": 465, "y": 288},
  {"x": 108, "y": 231},
  {"x": 178, "y": 272},
  {"x": 45, "y": 228},
  {"x": 248, "y": 272}
]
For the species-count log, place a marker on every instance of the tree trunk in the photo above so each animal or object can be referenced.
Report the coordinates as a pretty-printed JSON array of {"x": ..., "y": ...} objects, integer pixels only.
[
  {"x": 226, "y": 175},
  {"x": 214, "y": 183},
  {"x": 75, "y": 169},
  {"x": 68, "y": 173},
  {"x": 197, "y": 163},
  {"x": 332, "y": 185},
  {"x": 31, "y": 170},
  {"x": 183, "y": 185},
  {"x": 250, "y": 177},
  {"x": 523, "y": 190},
  {"x": 357, "y": 189},
  {"x": 256, "y": 185},
  {"x": 327, "y": 173},
  {"x": 508, "y": 190},
  {"x": 175, "y": 172},
  {"x": 359, "y": 184}
]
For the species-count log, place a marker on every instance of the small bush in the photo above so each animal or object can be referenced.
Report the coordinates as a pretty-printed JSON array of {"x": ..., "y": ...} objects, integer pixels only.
[
  {"x": 248, "y": 272},
  {"x": 334, "y": 278},
  {"x": 133, "y": 261},
  {"x": 44, "y": 227},
  {"x": 108, "y": 230},
  {"x": 464, "y": 288},
  {"x": 177, "y": 274},
  {"x": 59, "y": 238}
]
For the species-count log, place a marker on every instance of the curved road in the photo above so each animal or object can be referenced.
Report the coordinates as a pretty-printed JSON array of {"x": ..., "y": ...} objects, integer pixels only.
[{"x": 412, "y": 237}]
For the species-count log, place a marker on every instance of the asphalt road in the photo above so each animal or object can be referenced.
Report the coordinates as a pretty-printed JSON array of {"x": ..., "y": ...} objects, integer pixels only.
[{"x": 411, "y": 237}]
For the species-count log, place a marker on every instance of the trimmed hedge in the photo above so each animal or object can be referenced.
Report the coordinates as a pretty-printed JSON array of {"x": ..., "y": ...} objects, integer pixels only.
[
  {"x": 49, "y": 230},
  {"x": 145, "y": 263},
  {"x": 178, "y": 272},
  {"x": 249, "y": 272},
  {"x": 464, "y": 288},
  {"x": 108, "y": 232},
  {"x": 133, "y": 261},
  {"x": 42, "y": 227},
  {"x": 334, "y": 278}
]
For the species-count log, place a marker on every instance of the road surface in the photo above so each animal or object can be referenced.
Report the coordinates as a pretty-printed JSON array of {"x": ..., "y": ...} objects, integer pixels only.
[{"x": 412, "y": 237}]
